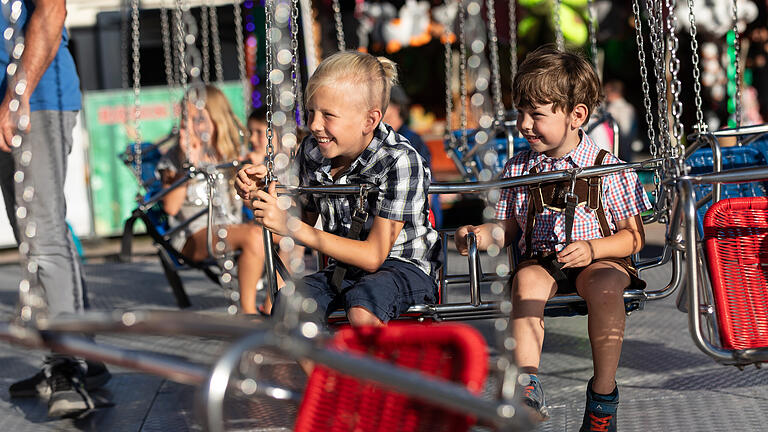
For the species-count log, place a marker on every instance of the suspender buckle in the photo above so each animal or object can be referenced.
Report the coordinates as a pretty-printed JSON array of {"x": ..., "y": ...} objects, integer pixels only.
[{"x": 570, "y": 196}]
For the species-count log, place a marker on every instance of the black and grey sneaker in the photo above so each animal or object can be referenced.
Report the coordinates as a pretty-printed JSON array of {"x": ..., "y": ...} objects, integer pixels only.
[
  {"x": 37, "y": 386},
  {"x": 69, "y": 398},
  {"x": 533, "y": 395}
]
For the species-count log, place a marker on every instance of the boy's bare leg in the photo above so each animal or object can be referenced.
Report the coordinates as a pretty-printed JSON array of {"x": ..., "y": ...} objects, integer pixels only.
[
  {"x": 602, "y": 285},
  {"x": 531, "y": 289}
]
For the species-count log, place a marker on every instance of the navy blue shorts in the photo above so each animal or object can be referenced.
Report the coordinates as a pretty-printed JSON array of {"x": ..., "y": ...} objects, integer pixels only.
[{"x": 387, "y": 293}]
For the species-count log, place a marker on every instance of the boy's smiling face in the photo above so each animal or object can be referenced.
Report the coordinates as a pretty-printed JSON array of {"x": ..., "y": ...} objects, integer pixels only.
[
  {"x": 341, "y": 122},
  {"x": 551, "y": 131}
]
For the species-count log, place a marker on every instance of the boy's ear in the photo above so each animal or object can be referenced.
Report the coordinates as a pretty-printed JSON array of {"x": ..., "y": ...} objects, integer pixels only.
[
  {"x": 579, "y": 116},
  {"x": 372, "y": 119}
]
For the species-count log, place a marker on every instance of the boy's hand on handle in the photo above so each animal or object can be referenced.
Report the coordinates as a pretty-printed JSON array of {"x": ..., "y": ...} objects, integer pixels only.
[
  {"x": 268, "y": 212},
  {"x": 249, "y": 180},
  {"x": 577, "y": 254},
  {"x": 460, "y": 238}
]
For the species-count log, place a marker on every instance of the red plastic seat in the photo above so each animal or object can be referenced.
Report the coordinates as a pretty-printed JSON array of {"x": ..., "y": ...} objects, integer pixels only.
[
  {"x": 334, "y": 402},
  {"x": 736, "y": 243}
]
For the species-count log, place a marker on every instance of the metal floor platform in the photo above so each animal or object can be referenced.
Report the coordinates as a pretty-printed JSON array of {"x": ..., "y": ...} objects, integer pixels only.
[{"x": 666, "y": 384}]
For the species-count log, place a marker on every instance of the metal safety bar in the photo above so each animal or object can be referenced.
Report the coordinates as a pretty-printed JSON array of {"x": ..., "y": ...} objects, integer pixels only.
[{"x": 717, "y": 163}]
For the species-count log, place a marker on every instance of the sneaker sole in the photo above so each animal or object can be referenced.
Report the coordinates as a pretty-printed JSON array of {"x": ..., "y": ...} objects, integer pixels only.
[
  {"x": 68, "y": 405},
  {"x": 43, "y": 391}
]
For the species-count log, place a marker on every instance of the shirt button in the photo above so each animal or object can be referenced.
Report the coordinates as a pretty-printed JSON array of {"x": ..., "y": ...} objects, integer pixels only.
[{"x": 346, "y": 220}]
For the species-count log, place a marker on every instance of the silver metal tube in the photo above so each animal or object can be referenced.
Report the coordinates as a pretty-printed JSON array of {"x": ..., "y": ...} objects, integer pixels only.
[
  {"x": 676, "y": 280},
  {"x": 172, "y": 232},
  {"x": 474, "y": 269},
  {"x": 738, "y": 175},
  {"x": 744, "y": 130},
  {"x": 685, "y": 192},
  {"x": 146, "y": 205},
  {"x": 616, "y": 134},
  {"x": 486, "y": 277},
  {"x": 269, "y": 264}
]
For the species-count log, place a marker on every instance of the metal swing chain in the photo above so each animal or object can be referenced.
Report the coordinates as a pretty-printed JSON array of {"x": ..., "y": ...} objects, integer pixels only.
[
  {"x": 124, "y": 45},
  {"x": 644, "y": 78},
  {"x": 181, "y": 45},
  {"x": 216, "y": 38},
  {"x": 701, "y": 125},
  {"x": 135, "y": 53},
  {"x": 166, "y": 39},
  {"x": 240, "y": 58},
  {"x": 592, "y": 32},
  {"x": 30, "y": 292},
  {"x": 341, "y": 44},
  {"x": 294, "y": 62},
  {"x": 177, "y": 43},
  {"x": 498, "y": 106},
  {"x": 736, "y": 64},
  {"x": 657, "y": 54},
  {"x": 269, "y": 11},
  {"x": 462, "y": 74},
  {"x": 677, "y": 150},
  {"x": 204, "y": 40},
  {"x": 559, "y": 39},
  {"x": 448, "y": 136},
  {"x": 512, "y": 47}
]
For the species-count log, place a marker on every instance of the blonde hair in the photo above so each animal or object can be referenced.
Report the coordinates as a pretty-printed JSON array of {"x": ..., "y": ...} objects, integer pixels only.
[
  {"x": 376, "y": 75},
  {"x": 563, "y": 79},
  {"x": 227, "y": 127}
]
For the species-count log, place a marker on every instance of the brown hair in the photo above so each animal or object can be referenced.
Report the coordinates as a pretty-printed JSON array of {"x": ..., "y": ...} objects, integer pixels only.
[
  {"x": 374, "y": 76},
  {"x": 227, "y": 126},
  {"x": 563, "y": 79}
]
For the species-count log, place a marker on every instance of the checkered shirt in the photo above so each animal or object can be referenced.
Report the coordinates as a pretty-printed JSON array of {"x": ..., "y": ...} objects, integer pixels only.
[
  {"x": 622, "y": 196},
  {"x": 398, "y": 172}
]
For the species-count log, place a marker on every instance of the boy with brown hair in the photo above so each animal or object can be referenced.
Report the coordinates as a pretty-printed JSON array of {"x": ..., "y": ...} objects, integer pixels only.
[{"x": 576, "y": 239}]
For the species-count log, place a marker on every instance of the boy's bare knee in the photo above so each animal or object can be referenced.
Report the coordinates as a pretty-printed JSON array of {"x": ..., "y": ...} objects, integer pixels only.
[
  {"x": 359, "y": 316},
  {"x": 533, "y": 282},
  {"x": 604, "y": 279}
]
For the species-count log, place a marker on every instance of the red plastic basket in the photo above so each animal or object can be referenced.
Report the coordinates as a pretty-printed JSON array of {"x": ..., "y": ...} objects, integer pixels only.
[
  {"x": 736, "y": 243},
  {"x": 334, "y": 402}
]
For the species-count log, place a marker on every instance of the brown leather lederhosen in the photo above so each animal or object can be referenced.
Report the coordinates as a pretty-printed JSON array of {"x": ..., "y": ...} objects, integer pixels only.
[{"x": 555, "y": 196}]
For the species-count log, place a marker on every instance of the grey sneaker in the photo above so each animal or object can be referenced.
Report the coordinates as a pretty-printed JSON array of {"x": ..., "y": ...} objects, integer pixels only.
[
  {"x": 37, "y": 386},
  {"x": 69, "y": 398},
  {"x": 533, "y": 395}
]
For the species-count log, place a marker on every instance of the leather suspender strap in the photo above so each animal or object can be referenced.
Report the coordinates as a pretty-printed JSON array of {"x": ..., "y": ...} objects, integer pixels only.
[
  {"x": 535, "y": 192},
  {"x": 359, "y": 217},
  {"x": 535, "y": 206},
  {"x": 605, "y": 229},
  {"x": 571, "y": 201}
]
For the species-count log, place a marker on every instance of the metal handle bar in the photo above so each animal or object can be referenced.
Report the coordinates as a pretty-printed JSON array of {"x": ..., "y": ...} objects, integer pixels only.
[
  {"x": 736, "y": 175},
  {"x": 717, "y": 160},
  {"x": 474, "y": 269},
  {"x": 743, "y": 130}
]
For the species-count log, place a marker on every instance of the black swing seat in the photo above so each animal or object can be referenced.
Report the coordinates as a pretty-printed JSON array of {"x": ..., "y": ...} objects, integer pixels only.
[{"x": 156, "y": 221}]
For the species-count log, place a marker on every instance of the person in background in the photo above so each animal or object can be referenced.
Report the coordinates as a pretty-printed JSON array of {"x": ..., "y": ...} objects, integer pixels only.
[
  {"x": 624, "y": 114},
  {"x": 397, "y": 117},
  {"x": 52, "y": 98}
]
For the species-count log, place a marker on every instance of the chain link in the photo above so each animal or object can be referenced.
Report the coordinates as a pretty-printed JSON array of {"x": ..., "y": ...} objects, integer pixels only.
[
  {"x": 181, "y": 45},
  {"x": 701, "y": 125},
  {"x": 135, "y": 53},
  {"x": 592, "y": 32},
  {"x": 463, "y": 73},
  {"x": 512, "y": 48},
  {"x": 339, "y": 26},
  {"x": 204, "y": 40},
  {"x": 559, "y": 39},
  {"x": 736, "y": 64},
  {"x": 448, "y": 136},
  {"x": 294, "y": 60},
  {"x": 241, "y": 58},
  {"x": 493, "y": 38},
  {"x": 216, "y": 38},
  {"x": 166, "y": 39},
  {"x": 656, "y": 29},
  {"x": 644, "y": 78},
  {"x": 269, "y": 10},
  {"x": 676, "y": 150}
]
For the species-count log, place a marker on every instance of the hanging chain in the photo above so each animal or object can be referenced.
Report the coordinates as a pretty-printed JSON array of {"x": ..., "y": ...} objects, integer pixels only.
[
  {"x": 559, "y": 39},
  {"x": 677, "y": 150},
  {"x": 498, "y": 106},
  {"x": 463, "y": 73},
  {"x": 166, "y": 38},
  {"x": 269, "y": 12},
  {"x": 448, "y": 136},
  {"x": 135, "y": 52},
  {"x": 592, "y": 32},
  {"x": 30, "y": 291},
  {"x": 339, "y": 26},
  {"x": 701, "y": 126},
  {"x": 205, "y": 42},
  {"x": 216, "y": 38},
  {"x": 736, "y": 64},
  {"x": 294, "y": 60},
  {"x": 124, "y": 67},
  {"x": 241, "y": 58},
  {"x": 656, "y": 28},
  {"x": 181, "y": 45},
  {"x": 512, "y": 48},
  {"x": 645, "y": 86}
]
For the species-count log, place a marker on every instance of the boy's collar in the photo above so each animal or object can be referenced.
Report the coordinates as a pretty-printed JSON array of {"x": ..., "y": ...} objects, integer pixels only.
[
  {"x": 379, "y": 136},
  {"x": 578, "y": 155}
]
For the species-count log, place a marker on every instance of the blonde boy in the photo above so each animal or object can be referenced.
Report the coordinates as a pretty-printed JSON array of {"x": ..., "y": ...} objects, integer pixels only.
[
  {"x": 555, "y": 93},
  {"x": 394, "y": 263}
]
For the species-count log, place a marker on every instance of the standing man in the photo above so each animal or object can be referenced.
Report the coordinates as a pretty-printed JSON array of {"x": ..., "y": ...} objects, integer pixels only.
[{"x": 52, "y": 97}]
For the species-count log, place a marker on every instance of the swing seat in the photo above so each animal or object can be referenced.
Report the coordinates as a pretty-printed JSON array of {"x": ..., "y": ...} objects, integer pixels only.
[
  {"x": 736, "y": 245},
  {"x": 701, "y": 162},
  {"x": 470, "y": 164},
  {"x": 337, "y": 402},
  {"x": 158, "y": 226}
]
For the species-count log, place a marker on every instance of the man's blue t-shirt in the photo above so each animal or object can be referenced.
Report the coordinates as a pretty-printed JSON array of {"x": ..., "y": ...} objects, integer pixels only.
[{"x": 59, "y": 87}]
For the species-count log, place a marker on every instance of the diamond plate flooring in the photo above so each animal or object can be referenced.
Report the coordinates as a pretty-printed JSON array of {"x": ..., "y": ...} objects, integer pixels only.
[{"x": 666, "y": 384}]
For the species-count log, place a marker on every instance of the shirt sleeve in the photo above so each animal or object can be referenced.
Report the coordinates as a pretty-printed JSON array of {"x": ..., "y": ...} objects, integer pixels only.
[
  {"x": 307, "y": 201},
  {"x": 403, "y": 191},
  {"x": 624, "y": 195},
  {"x": 505, "y": 207}
]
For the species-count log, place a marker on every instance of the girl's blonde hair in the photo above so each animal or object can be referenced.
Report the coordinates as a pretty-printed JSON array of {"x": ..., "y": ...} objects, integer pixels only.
[
  {"x": 228, "y": 129},
  {"x": 374, "y": 76}
]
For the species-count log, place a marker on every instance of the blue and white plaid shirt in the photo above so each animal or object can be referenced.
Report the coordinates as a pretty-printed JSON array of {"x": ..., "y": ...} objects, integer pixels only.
[{"x": 392, "y": 166}]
